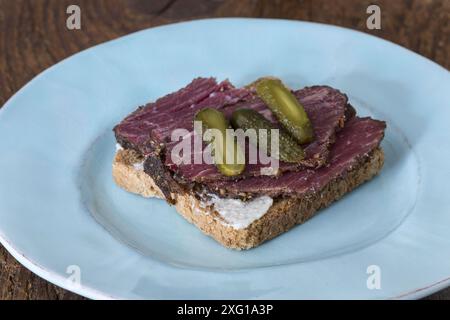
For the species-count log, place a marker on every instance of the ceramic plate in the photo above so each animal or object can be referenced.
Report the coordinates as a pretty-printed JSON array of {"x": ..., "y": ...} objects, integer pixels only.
[{"x": 62, "y": 216}]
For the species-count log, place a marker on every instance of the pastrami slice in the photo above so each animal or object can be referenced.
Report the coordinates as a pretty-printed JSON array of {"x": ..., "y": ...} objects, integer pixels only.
[
  {"x": 152, "y": 124},
  {"x": 148, "y": 130},
  {"x": 354, "y": 143},
  {"x": 327, "y": 109}
]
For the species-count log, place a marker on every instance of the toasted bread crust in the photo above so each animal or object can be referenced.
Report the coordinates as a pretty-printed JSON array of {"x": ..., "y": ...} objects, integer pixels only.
[
  {"x": 284, "y": 214},
  {"x": 129, "y": 178}
]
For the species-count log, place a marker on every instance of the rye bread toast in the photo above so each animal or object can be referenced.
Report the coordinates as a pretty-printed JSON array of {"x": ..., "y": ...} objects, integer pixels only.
[{"x": 284, "y": 214}]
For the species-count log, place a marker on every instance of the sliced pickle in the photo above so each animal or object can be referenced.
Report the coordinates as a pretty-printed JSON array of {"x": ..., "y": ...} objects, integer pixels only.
[
  {"x": 214, "y": 119},
  {"x": 289, "y": 150},
  {"x": 286, "y": 108}
]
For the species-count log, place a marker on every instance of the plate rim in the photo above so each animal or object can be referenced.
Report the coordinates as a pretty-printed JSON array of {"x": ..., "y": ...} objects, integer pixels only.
[{"x": 91, "y": 293}]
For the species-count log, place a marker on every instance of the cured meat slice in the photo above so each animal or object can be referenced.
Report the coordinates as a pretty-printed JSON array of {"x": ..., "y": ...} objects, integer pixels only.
[
  {"x": 151, "y": 125},
  {"x": 354, "y": 143},
  {"x": 326, "y": 108}
]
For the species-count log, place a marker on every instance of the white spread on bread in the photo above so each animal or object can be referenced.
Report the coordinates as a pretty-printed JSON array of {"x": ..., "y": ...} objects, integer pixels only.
[
  {"x": 118, "y": 147},
  {"x": 240, "y": 214},
  {"x": 139, "y": 166}
]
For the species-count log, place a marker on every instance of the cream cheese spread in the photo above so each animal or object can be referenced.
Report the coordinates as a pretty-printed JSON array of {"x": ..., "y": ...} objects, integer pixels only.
[{"x": 240, "y": 214}]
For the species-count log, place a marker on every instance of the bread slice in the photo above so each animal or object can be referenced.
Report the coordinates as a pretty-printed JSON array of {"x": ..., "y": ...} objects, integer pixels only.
[{"x": 284, "y": 213}]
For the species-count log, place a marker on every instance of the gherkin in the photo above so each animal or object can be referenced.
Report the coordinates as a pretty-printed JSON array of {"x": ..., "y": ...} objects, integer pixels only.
[
  {"x": 224, "y": 144},
  {"x": 288, "y": 149},
  {"x": 287, "y": 109}
]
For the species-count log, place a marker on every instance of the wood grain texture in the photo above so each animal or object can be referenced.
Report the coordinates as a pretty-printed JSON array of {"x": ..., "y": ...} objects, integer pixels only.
[{"x": 34, "y": 36}]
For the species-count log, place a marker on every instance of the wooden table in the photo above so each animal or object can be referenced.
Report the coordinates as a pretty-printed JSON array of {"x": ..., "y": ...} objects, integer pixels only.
[{"x": 34, "y": 36}]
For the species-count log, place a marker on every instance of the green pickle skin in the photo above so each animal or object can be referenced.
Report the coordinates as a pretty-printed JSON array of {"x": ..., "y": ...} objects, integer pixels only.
[
  {"x": 214, "y": 119},
  {"x": 286, "y": 108},
  {"x": 289, "y": 150}
]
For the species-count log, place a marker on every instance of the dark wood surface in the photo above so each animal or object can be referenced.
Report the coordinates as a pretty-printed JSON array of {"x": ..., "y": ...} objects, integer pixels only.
[{"x": 33, "y": 36}]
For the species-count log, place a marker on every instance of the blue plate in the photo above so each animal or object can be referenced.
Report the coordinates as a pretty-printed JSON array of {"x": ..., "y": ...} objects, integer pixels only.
[{"x": 62, "y": 216}]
